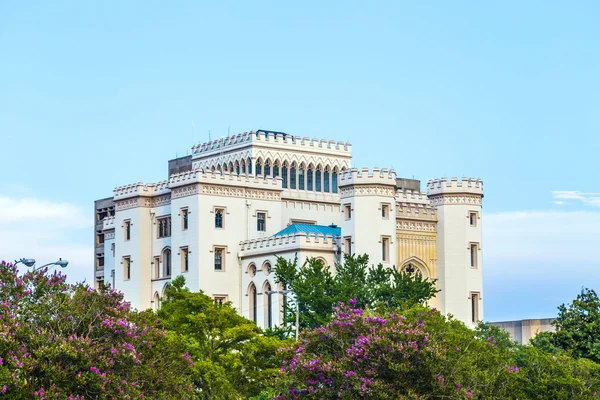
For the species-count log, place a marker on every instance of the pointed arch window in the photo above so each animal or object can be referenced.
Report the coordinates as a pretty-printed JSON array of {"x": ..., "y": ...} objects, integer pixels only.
[
  {"x": 267, "y": 168},
  {"x": 243, "y": 167},
  {"x": 275, "y": 170},
  {"x": 237, "y": 168},
  {"x": 167, "y": 262},
  {"x": 268, "y": 306},
  {"x": 258, "y": 168},
  {"x": 326, "y": 180},
  {"x": 301, "y": 178},
  {"x": 318, "y": 186},
  {"x": 252, "y": 299},
  {"x": 309, "y": 178},
  {"x": 293, "y": 177},
  {"x": 218, "y": 218},
  {"x": 334, "y": 182},
  {"x": 249, "y": 167},
  {"x": 284, "y": 176}
]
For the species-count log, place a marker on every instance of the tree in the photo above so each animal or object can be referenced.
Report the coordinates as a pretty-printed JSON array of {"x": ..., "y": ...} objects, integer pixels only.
[
  {"x": 232, "y": 360},
  {"x": 62, "y": 341},
  {"x": 578, "y": 326},
  {"x": 317, "y": 289}
]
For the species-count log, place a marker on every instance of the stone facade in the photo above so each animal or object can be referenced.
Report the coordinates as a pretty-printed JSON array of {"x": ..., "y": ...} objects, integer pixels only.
[{"x": 216, "y": 224}]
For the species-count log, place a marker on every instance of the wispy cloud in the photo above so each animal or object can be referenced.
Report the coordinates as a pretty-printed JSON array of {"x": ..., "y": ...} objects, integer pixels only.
[
  {"x": 568, "y": 196},
  {"x": 46, "y": 230}
]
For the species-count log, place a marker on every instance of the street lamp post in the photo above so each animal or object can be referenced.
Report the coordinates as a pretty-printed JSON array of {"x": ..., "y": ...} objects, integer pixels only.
[
  {"x": 30, "y": 262},
  {"x": 284, "y": 292}
]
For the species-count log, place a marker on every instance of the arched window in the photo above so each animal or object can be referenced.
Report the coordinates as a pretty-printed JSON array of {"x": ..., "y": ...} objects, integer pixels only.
[
  {"x": 301, "y": 177},
  {"x": 309, "y": 178},
  {"x": 318, "y": 186},
  {"x": 156, "y": 302},
  {"x": 166, "y": 259},
  {"x": 267, "y": 268},
  {"x": 237, "y": 168},
  {"x": 258, "y": 167},
  {"x": 243, "y": 167},
  {"x": 326, "y": 180},
  {"x": 293, "y": 176},
  {"x": 252, "y": 270},
  {"x": 230, "y": 167},
  {"x": 249, "y": 167},
  {"x": 334, "y": 181},
  {"x": 276, "y": 170},
  {"x": 252, "y": 298},
  {"x": 268, "y": 304},
  {"x": 284, "y": 175},
  {"x": 267, "y": 168},
  {"x": 218, "y": 218}
]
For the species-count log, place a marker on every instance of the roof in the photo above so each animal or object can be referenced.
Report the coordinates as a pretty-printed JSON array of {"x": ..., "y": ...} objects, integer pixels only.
[{"x": 324, "y": 230}]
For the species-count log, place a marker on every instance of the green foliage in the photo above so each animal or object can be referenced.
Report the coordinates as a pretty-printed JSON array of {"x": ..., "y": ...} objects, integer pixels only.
[
  {"x": 544, "y": 341},
  {"x": 500, "y": 337},
  {"x": 232, "y": 360},
  {"x": 60, "y": 341},
  {"x": 317, "y": 289},
  {"x": 578, "y": 326}
]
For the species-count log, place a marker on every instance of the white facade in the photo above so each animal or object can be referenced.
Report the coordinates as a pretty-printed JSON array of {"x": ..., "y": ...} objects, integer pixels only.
[{"x": 215, "y": 224}]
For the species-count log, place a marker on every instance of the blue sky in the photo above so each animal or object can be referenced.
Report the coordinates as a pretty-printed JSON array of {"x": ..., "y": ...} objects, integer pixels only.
[{"x": 99, "y": 94}]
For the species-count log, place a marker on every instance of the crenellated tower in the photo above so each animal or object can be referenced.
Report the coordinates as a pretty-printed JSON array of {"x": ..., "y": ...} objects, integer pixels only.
[
  {"x": 458, "y": 205},
  {"x": 368, "y": 209}
]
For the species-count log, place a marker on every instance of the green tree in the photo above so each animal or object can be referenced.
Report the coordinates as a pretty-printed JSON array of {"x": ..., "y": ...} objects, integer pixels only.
[
  {"x": 578, "y": 326},
  {"x": 232, "y": 360},
  {"x": 60, "y": 341}
]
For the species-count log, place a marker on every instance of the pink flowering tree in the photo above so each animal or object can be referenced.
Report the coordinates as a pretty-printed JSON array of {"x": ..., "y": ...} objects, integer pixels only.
[
  {"x": 63, "y": 341},
  {"x": 417, "y": 356}
]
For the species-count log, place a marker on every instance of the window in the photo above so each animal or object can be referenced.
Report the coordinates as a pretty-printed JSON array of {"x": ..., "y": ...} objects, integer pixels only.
[
  {"x": 385, "y": 249},
  {"x": 318, "y": 186},
  {"x": 267, "y": 168},
  {"x": 219, "y": 217},
  {"x": 275, "y": 170},
  {"x": 474, "y": 307},
  {"x": 252, "y": 270},
  {"x": 164, "y": 227},
  {"x": 261, "y": 221},
  {"x": 185, "y": 218},
  {"x": 185, "y": 259},
  {"x": 348, "y": 211},
  {"x": 127, "y": 268},
  {"x": 473, "y": 250},
  {"x": 252, "y": 295},
  {"x": 219, "y": 265},
  {"x": 268, "y": 305},
  {"x": 127, "y": 230},
  {"x": 220, "y": 299},
  {"x": 326, "y": 180},
  {"x": 473, "y": 218},
  {"x": 284, "y": 176},
  {"x": 293, "y": 177},
  {"x": 156, "y": 267},
  {"x": 267, "y": 268},
  {"x": 309, "y": 179},
  {"x": 258, "y": 168},
  {"x": 348, "y": 245},
  {"x": 167, "y": 262},
  {"x": 301, "y": 178},
  {"x": 334, "y": 182},
  {"x": 385, "y": 211}
]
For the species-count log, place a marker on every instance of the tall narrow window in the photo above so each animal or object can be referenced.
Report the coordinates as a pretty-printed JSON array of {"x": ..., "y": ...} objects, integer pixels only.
[
  {"x": 309, "y": 179},
  {"x": 318, "y": 186},
  {"x": 253, "y": 299},
  {"x": 185, "y": 259},
  {"x": 261, "y": 221},
  {"x": 293, "y": 177},
  {"x": 126, "y": 268},
  {"x": 184, "y": 218},
  {"x": 301, "y": 178},
  {"x": 267, "y": 168},
  {"x": 385, "y": 211},
  {"x": 237, "y": 168},
  {"x": 385, "y": 249},
  {"x": 167, "y": 262},
  {"x": 268, "y": 306},
  {"x": 348, "y": 245},
  {"x": 156, "y": 267},
  {"x": 258, "y": 168},
  {"x": 243, "y": 167},
  {"x": 473, "y": 218},
  {"x": 219, "y": 218},
  {"x": 334, "y": 182},
  {"x": 326, "y": 180},
  {"x": 249, "y": 167},
  {"x": 284, "y": 176},
  {"x": 127, "y": 230},
  {"x": 218, "y": 259},
  {"x": 348, "y": 211},
  {"x": 474, "y": 307},
  {"x": 473, "y": 251},
  {"x": 275, "y": 170}
]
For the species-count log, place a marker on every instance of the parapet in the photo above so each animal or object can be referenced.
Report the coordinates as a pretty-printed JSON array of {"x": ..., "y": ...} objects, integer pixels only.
[
  {"x": 442, "y": 186},
  {"x": 139, "y": 189},
  {"x": 289, "y": 242},
  {"x": 263, "y": 136},
  {"x": 226, "y": 178},
  {"x": 412, "y": 197},
  {"x": 108, "y": 223},
  {"x": 415, "y": 211},
  {"x": 377, "y": 176}
]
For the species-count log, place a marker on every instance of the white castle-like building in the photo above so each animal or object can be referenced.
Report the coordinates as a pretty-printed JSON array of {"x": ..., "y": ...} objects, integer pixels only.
[{"x": 235, "y": 204}]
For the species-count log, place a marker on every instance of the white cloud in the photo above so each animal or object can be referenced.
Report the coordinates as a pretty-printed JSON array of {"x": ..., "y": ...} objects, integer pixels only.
[
  {"x": 46, "y": 230},
  {"x": 588, "y": 199}
]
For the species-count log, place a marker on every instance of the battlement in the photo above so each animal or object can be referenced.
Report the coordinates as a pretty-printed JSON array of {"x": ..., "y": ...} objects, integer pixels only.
[
  {"x": 108, "y": 223},
  {"x": 263, "y": 137},
  {"x": 412, "y": 197},
  {"x": 227, "y": 178},
  {"x": 139, "y": 189},
  {"x": 364, "y": 176},
  {"x": 287, "y": 242},
  {"x": 415, "y": 211},
  {"x": 442, "y": 186}
]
